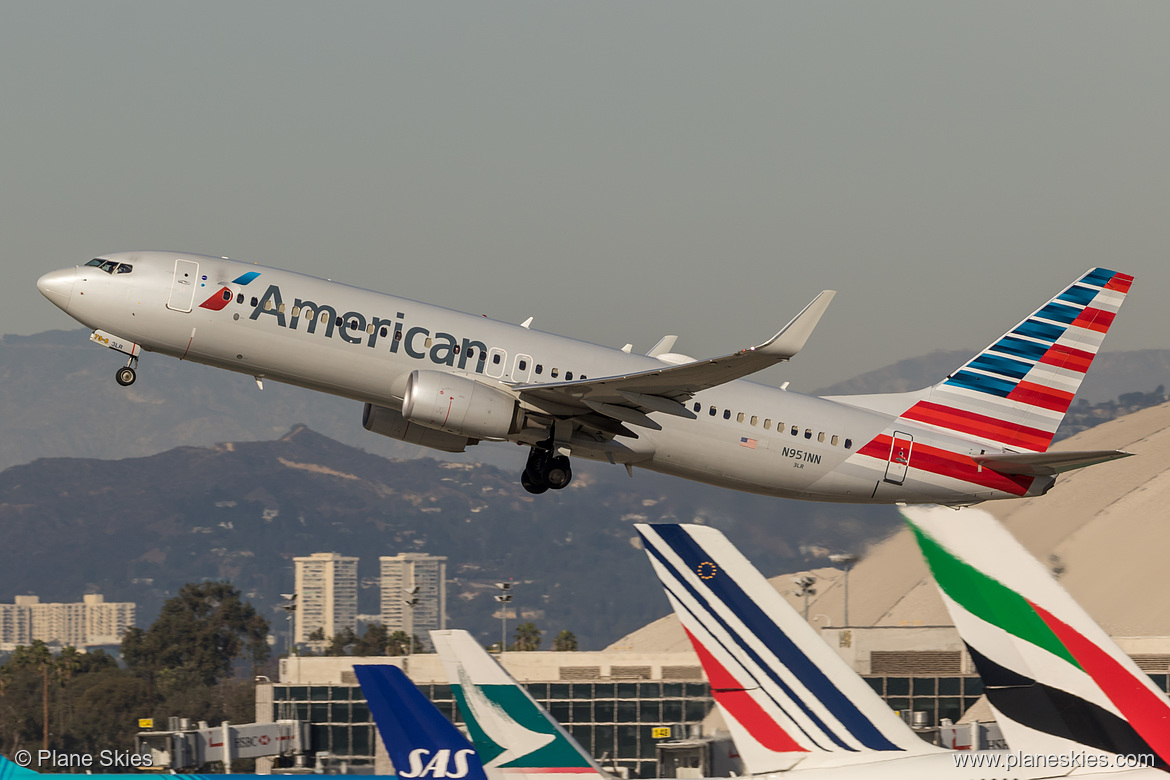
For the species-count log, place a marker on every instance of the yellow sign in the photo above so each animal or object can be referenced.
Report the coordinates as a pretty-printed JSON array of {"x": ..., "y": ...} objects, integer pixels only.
[
  {"x": 660, "y": 732},
  {"x": 146, "y": 723}
]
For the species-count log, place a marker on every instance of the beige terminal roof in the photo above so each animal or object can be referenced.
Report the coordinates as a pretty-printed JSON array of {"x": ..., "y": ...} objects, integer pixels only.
[{"x": 1107, "y": 526}]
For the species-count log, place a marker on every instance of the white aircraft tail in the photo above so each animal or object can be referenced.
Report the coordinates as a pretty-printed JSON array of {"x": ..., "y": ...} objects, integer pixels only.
[
  {"x": 511, "y": 732},
  {"x": 1057, "y": 682},
  {"x": 785, "y": 694}
]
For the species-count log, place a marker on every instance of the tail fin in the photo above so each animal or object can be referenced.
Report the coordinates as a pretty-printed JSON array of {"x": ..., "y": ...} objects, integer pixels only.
[
  {"x": 1015, "y": 393},
  {"x": 421, "y": 742},
  {"x": 1055, "y": 679},
  {"x": 510, "y": 730},
  {"x": 12, "y": 771},
  {"x": 785, "y": 694}
]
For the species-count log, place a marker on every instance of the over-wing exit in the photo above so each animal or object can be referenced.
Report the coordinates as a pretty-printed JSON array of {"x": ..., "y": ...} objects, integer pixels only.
[{"x": 445, "y": 379}]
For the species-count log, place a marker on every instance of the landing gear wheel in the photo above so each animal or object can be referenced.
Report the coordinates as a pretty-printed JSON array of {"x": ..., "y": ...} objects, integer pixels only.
[
  {"x": 125, "y": 376},
  {"x": 557, "y": 472},
  {"x": 535, "y": 488}
]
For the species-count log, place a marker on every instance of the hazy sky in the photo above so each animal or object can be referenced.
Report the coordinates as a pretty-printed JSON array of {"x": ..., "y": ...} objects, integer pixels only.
[{"x": 617, "y": 170}]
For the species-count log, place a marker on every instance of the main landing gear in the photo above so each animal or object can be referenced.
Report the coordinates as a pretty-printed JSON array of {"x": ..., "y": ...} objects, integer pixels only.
[
  {"x": 127, "y": 373},
  {"x": 546, "y": 469}
]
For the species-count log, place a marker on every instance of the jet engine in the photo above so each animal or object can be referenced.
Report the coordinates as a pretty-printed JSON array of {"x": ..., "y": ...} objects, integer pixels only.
[
  {"x": 388, "y": 422},
  {"x": 459, "y": 405}
]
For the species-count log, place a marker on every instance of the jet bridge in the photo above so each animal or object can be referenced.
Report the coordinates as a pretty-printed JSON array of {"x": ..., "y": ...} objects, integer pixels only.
[{"x": 182, "y": 748}]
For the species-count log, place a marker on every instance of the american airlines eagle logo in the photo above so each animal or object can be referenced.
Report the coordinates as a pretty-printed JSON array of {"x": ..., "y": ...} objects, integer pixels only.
[{"x": 223, "y": 296}]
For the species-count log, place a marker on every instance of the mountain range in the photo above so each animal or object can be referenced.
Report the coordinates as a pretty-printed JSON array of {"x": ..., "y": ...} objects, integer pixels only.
[{"x": 193, "y": 474}]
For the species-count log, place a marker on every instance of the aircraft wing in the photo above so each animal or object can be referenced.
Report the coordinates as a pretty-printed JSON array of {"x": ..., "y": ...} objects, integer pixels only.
[
  {"x": 629, "y": 397},
  {"x": 1043, "y": 464}
]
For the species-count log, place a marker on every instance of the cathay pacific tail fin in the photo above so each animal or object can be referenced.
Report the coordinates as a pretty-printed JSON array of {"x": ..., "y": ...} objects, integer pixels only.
[
  {"x": 787, "y": 696},
  {"x": 1057, "y": 682},
  {"x": 511, "y": 731}
]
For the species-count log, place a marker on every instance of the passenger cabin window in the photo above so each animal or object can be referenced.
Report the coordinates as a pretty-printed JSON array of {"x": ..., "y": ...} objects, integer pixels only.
[
  {"x": 739, "y": 417},
  {"x": 523, "y": 365},
  {"x": 568, "y": 375},
  {"x": 555, "y": 373},
  {"x": 835, "y": 440},
  {"x": 808, "y": 433},
  {"x": 539, "y": 368},
  {"x": 713, "y": 411},
  {"x": 821, "y": 436},
  {"x": 726, "y": 414},
  {"x": 795, "y": 431},
  {"x": 849, "y": 444},
  {"x": 255, "y": 301},
  {"x": 767, "y": 423},
  {"x": 240, "y": 299},
  {"x": 698, "y": 406},
  {"x": 495, "y": 358},
  {"x": 227, "y": 295},
  {"x": 754, "y": 419}
]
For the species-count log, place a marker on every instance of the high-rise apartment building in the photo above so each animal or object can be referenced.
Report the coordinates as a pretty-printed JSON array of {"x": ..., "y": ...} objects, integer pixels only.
[
  {"x": 327, "y": 588},
  {"x": 92, "y": 621},
  {"x": 401, "y": 575}
]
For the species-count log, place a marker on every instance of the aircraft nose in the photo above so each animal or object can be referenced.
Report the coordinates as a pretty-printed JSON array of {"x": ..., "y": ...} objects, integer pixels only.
[{"x": 57, "y": 286}]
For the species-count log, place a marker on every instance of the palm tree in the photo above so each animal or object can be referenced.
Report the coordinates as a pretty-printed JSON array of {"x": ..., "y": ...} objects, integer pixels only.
[
  {"x": 565, "y": 642},
  {"x": 527, "y": 637}
]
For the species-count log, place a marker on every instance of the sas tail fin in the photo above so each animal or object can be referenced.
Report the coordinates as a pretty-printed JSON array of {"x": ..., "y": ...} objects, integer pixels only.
[
  {"x": 1055, "y": 679},
  {"x": 785, "y": 694},
  {"x": 1015, "y": 393},
  {"x": 421, "y": 742},
  {"x": 511, "y": 731},
  {"x": 13, "y": 771}
]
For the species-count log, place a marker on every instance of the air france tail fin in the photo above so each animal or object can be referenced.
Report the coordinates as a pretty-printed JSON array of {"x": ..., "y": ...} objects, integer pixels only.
[
  {"x": 12, "y": 771},
  {"x": 1056, "y": 680},
  {"x": 787, "y": 696},
  {"x": 511, "y": 731},
  {"x": 421, "y": 742},
  {"x": 1015, "y": 393}
]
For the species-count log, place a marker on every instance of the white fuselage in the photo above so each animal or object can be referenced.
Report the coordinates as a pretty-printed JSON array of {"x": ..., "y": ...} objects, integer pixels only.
[{"x": 745, "y": 436}]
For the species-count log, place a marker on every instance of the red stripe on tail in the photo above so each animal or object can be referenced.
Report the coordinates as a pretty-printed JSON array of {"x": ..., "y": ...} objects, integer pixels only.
[
  {"x": 1147, "y": 712},
  {"x": 739, "y": 704}
]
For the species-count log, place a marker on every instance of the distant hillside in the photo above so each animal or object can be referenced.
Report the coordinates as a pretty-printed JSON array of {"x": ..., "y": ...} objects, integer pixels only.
[
  {"x": 1111, "y": 375},
  {"x": 58, "y": 398},
  {"x": 137, "y": 529}
]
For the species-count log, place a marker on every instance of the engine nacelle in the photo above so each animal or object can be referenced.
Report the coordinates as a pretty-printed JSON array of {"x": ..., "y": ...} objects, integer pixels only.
[
  {"x": 459, "y": 405},
  {"x": 388, "y": 422}
]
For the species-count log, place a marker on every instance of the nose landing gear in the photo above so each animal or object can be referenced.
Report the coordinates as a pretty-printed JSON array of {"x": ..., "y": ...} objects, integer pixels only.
[{"x": 546, "y": 469}]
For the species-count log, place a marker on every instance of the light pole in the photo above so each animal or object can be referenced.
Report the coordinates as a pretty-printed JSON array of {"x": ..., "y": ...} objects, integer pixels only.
[
  {"x": 290, "y": 608},
  {"x": 845, "y": 561},
  {"x": 504, "y": 597}
]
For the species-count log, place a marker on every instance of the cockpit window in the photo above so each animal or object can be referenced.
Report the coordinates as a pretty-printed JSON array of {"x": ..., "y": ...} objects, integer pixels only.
[{"x": 110, "y": 266}]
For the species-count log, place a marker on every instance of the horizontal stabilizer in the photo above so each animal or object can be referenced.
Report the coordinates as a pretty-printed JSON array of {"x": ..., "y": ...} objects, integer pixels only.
[{"x": 1042, "y": 464}]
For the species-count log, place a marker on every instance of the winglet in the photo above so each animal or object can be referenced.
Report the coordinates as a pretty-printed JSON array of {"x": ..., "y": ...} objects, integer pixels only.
[{"x": 792, "y": 337}]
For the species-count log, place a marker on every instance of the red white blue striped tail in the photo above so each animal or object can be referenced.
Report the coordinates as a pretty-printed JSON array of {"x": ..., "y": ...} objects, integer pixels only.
[
  {"x": 787, "y": 697},
  {"x": 1015, "y": 393}
]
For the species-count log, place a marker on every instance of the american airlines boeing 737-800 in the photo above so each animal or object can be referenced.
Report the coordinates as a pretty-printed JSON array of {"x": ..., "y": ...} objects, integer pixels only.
[{"x": 444, "y": 379}]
